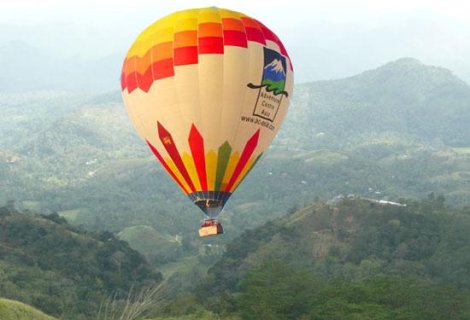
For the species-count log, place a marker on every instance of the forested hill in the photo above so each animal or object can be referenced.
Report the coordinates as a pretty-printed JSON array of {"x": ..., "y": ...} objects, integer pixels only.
[
  {"x": 62, "y": 271},
  {"x": 403, "y": 98},
  {"x": 79, "y": 155},
  {"x": 352, "y": 257}
]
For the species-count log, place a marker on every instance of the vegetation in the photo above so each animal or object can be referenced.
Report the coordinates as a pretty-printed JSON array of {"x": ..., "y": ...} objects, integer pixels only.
[
  {"x": 354, "y": 259},
  {"x": 299, "y": 295},
  {"x": 64, "y": 271},
  {"x": 156, "y": 247},
  {"x": 348, "y": 258},
  {"x": 14, "y": 310},
  {"x": 397, "y": 132},
  {"x": 134, "y": 307},
  {"x": 79, "y": 155},
  {"x": 200, "y": 315}
]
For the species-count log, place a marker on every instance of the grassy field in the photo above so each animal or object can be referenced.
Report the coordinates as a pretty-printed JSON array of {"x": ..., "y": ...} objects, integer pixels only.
[{"x": 14, "y": 310}]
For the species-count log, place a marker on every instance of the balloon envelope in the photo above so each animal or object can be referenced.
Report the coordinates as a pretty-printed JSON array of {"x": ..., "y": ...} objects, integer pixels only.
[{"x": 207, "y": 89}]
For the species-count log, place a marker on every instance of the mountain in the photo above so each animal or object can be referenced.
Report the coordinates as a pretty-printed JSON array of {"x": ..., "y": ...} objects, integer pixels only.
[
  {"x": 355, "y": 238},
  {"x": 62, "y": 270},
  {"x": 351, "y": 258},
  {"x": 79, "y": 155},
  {"x": 28, "y": 68},
  {"x": 404, "y": 97}
]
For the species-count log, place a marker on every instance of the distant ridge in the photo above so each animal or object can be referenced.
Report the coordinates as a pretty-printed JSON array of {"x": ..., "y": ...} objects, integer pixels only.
[
  {"x": 405, "y": 96},
  {"x": 399, "y": 130},
  {"x": 28, "y": 68}
]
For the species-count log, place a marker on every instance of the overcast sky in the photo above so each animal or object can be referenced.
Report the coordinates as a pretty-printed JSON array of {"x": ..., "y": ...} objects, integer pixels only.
[{"x": 326, "y": 39}]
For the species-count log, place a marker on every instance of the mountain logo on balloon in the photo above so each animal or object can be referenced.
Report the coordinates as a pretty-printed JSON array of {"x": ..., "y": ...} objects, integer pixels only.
[
  {"x": 272, "y": 85},
  {"x": 274, "y": 77}
]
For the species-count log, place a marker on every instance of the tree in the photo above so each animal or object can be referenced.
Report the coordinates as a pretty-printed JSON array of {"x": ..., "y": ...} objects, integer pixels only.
[{"x": 276, "y": 291}]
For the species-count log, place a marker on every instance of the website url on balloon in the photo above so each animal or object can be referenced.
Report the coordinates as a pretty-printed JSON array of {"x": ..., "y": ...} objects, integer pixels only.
[{"x": 258, "y": 121}]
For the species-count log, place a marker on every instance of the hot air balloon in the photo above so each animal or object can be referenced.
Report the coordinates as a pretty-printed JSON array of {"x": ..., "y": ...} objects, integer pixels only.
[{"x": 207, "y": 89}]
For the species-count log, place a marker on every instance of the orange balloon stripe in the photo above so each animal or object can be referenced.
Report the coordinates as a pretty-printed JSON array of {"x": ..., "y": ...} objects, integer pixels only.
[
  {"x": 162, "y": 51},
  {"x": 158, "y": 70},
  {"x": 186, "y": 39},
  {"x": 142, "y": 64},
  {"x": 233, "y": 24},
  {"x": 129, "y": 65},
  {"x": 210, "y": 29},
  {"x": 210, "y": 38}
]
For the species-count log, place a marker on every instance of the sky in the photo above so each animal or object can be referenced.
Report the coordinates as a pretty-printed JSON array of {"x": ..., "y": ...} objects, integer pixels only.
[{"x": 325, "y": 39}]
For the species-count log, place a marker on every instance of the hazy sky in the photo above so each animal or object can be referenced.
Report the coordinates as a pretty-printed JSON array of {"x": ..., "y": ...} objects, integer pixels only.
[{"x": 326, "y": 39}]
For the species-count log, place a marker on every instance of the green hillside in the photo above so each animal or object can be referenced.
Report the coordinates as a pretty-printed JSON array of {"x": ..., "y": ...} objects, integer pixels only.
[
  {"x": 347, "y": 259},
  {"x": 62, "y": 270},
  {"x": 156, "y": 247},
  {"x": 79, "y": 155},
  {"x": 358, "y": 238},
  {"x": 418, "y": 102},
  {"x": 14, "y": 310},
  {"x": 397, "y": 132}
]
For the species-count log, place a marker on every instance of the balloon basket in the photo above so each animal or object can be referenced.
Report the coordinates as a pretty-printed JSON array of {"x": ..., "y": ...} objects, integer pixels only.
[{"x": 210, "y": 227}]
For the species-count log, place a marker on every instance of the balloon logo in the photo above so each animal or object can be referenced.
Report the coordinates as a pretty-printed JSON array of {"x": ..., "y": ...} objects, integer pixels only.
[{"x": 207, "y": 89}]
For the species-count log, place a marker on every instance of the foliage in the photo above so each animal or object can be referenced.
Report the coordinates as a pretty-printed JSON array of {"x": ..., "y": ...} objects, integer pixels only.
[
  {"x": 397, "y": 131},
  {"x": 298, "y": 295},
  {"x": 275, "y": 291},
  {"x": 200, "y": 315},
  {"x": 391, "y": 298},
  {"x": 364, "y": 257},
  {"x": 62, "y": 270},
  {"x": 14, "y": 310},
  {"x": 134, "y": 307},
  {"x": 156, "y": 247}
]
